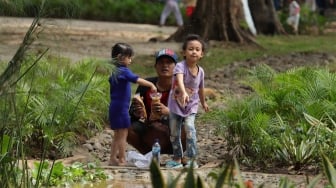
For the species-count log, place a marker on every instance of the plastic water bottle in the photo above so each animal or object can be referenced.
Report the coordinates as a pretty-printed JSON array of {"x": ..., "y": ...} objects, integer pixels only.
[{"x": 156, "y": 150}]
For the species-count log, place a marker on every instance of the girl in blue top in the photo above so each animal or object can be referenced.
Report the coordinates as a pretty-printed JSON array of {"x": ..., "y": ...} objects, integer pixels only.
[
  {"x": 186, "y": 93},
  {"x": 120, "y": 96}
]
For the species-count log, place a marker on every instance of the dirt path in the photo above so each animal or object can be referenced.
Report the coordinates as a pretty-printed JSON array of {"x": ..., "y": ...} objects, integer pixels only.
[{"x": 77, "y": 39}]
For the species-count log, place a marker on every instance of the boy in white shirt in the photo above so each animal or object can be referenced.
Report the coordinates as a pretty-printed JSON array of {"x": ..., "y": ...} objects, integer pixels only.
[{"x": 294, "y": 15}]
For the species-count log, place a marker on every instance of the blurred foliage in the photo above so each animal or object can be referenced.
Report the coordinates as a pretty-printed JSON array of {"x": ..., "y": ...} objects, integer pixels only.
[{"x": 132, "y": 11}]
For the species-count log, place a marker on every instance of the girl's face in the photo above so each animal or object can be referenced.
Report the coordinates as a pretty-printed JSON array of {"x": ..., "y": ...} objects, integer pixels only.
[
  {"x": 193, "y": 52},
  {"x": 125, "y": 60}
]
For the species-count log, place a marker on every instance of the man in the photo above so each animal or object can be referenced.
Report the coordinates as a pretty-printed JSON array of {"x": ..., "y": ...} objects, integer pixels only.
[{"x": 142, "y": 133}]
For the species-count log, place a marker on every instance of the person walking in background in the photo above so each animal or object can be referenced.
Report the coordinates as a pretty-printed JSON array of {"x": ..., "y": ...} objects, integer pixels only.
[
  {"x": 186, "y": 93},
  {"x": 322, "y": 5},
  {"x": 120, "y": 96},
  {"x": 311, "y": 4},
  {"x": 171, "y": 6},
  {"x": 141, "y": 134},
  {"x": 277, "y": 4},
  {"x": 294, "y": 15},
  {"x": 190, "y": 7}
]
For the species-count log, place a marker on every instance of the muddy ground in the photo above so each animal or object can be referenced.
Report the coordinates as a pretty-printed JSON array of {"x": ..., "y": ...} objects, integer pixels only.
[{"x": 78, "y": 40}]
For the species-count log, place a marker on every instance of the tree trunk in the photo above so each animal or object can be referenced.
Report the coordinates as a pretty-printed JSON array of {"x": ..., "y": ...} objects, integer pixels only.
[
  {"x": 265, "y": 17},
  {"x": 215, "y": 20},
  {"x": 221, "y": 20}
]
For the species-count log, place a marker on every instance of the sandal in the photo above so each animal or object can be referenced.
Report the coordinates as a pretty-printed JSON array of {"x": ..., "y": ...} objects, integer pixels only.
[{"x": 173, "y": 164}]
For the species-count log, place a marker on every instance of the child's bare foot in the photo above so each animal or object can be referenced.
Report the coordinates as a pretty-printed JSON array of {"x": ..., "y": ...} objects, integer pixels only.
[
  {"x": 126, "y": 164},
  {"x": 123, "y": 162},
  {"x": 113, "y": 163}
]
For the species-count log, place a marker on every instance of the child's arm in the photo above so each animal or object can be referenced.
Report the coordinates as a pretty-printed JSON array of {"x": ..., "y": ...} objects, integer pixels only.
[
  {"x": 180, "y": 84},
  {"x": 146, "y": 83},
  {"x": 202, "y": 99}
]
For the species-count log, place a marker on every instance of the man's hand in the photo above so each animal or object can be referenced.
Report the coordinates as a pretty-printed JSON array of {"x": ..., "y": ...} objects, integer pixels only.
[
  {"x": 138, "y": 108},
  {"x": 160, "y": 108}
]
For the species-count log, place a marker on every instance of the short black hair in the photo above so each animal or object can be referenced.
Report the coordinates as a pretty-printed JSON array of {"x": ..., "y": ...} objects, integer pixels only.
[
  {"x": 123, "y": 49},
  {"x": 191, "y": 37}
]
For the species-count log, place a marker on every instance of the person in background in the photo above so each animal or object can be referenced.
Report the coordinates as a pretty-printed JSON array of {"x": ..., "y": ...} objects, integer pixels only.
[
  {"x": 322, "y": 5},
  {"x": 190, "y": 7},
  {"x": 184, "y": 98},
  {"x": 294, "y": 15},
  {"x": 277, "y": 4},
  {"x": 120, "y": 96},
  {"x": 311, "y": 4},
  {"x": 171, "y": 6},
  {"x": 141, "y": 134}
]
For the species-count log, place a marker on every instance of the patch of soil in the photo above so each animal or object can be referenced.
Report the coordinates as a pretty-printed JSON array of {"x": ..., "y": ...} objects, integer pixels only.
[
  {"x": 82, "y": 39},
  {"x": 228, "y": 78}
]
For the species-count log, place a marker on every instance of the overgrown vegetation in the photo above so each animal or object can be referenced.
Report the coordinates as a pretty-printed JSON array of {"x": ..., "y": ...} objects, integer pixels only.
[
  {"x": 288, "y": 119},
  {"x": 40, "y": 106}
]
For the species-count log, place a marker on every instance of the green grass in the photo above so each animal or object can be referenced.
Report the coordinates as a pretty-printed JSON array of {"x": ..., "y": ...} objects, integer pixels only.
[{"x": 278, "y": 45}]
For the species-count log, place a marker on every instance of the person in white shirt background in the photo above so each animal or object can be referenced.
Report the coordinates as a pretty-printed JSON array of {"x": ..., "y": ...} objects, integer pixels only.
[{"x": 294, "y": 15}]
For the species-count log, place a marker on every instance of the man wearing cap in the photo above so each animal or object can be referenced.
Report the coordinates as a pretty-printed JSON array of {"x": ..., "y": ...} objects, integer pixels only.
[{"x": 142, "y": 134}]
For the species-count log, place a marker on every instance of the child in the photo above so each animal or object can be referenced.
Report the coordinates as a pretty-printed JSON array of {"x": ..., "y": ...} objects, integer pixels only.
[
  {"x": 120, "y": 96},
  {"x": 294, "y": 15},
  {"x": 186, "y": 93}
]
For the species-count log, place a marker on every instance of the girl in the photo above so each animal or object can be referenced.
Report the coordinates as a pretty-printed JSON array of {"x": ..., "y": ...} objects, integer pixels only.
[
  {"x": 187, "y": 91},
  {"x": 120, "y": 96}
]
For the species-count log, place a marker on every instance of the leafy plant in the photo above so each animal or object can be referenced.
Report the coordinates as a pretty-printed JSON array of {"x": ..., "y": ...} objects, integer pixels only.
[
  {"x": 272, "y": 124},
  {"x": 56, "y": 174},
  {"x": 39, "y": 108}
]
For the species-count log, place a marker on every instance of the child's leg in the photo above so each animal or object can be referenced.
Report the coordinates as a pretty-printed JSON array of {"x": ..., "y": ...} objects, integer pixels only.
[
  {"x": 175, "y": 125},
  {"x": 122, "y": 146},
  {"x": 114, "y": 149},
  {"x": 191, "y": 141}
]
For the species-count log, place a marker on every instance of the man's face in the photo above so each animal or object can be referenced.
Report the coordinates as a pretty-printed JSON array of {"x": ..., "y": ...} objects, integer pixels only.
[{"x": 164, "y": 67}]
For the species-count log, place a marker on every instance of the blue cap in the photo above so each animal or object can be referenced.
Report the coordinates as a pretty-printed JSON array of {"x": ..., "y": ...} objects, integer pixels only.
[{"x": 168, "y": 53}]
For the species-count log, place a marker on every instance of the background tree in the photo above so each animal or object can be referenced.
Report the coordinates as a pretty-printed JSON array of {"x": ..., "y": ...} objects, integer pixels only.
[
  {"x": 223, "y": 21},
  {"x": 265, "y": 17}
]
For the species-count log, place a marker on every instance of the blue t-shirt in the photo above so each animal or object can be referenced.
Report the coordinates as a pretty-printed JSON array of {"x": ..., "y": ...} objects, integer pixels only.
[{"x": 120, "y": 96}]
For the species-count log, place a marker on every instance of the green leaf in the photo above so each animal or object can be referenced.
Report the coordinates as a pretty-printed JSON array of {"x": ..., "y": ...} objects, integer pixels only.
[
  {"x": 329, "y": 170},
  {"x": 224, "y": 176},
  {"x": 5, "y": 144},
  {"x": 313, "y": 183},
  {"x": 190, "y": 179},
  {"x": 156, "y": 175}
]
